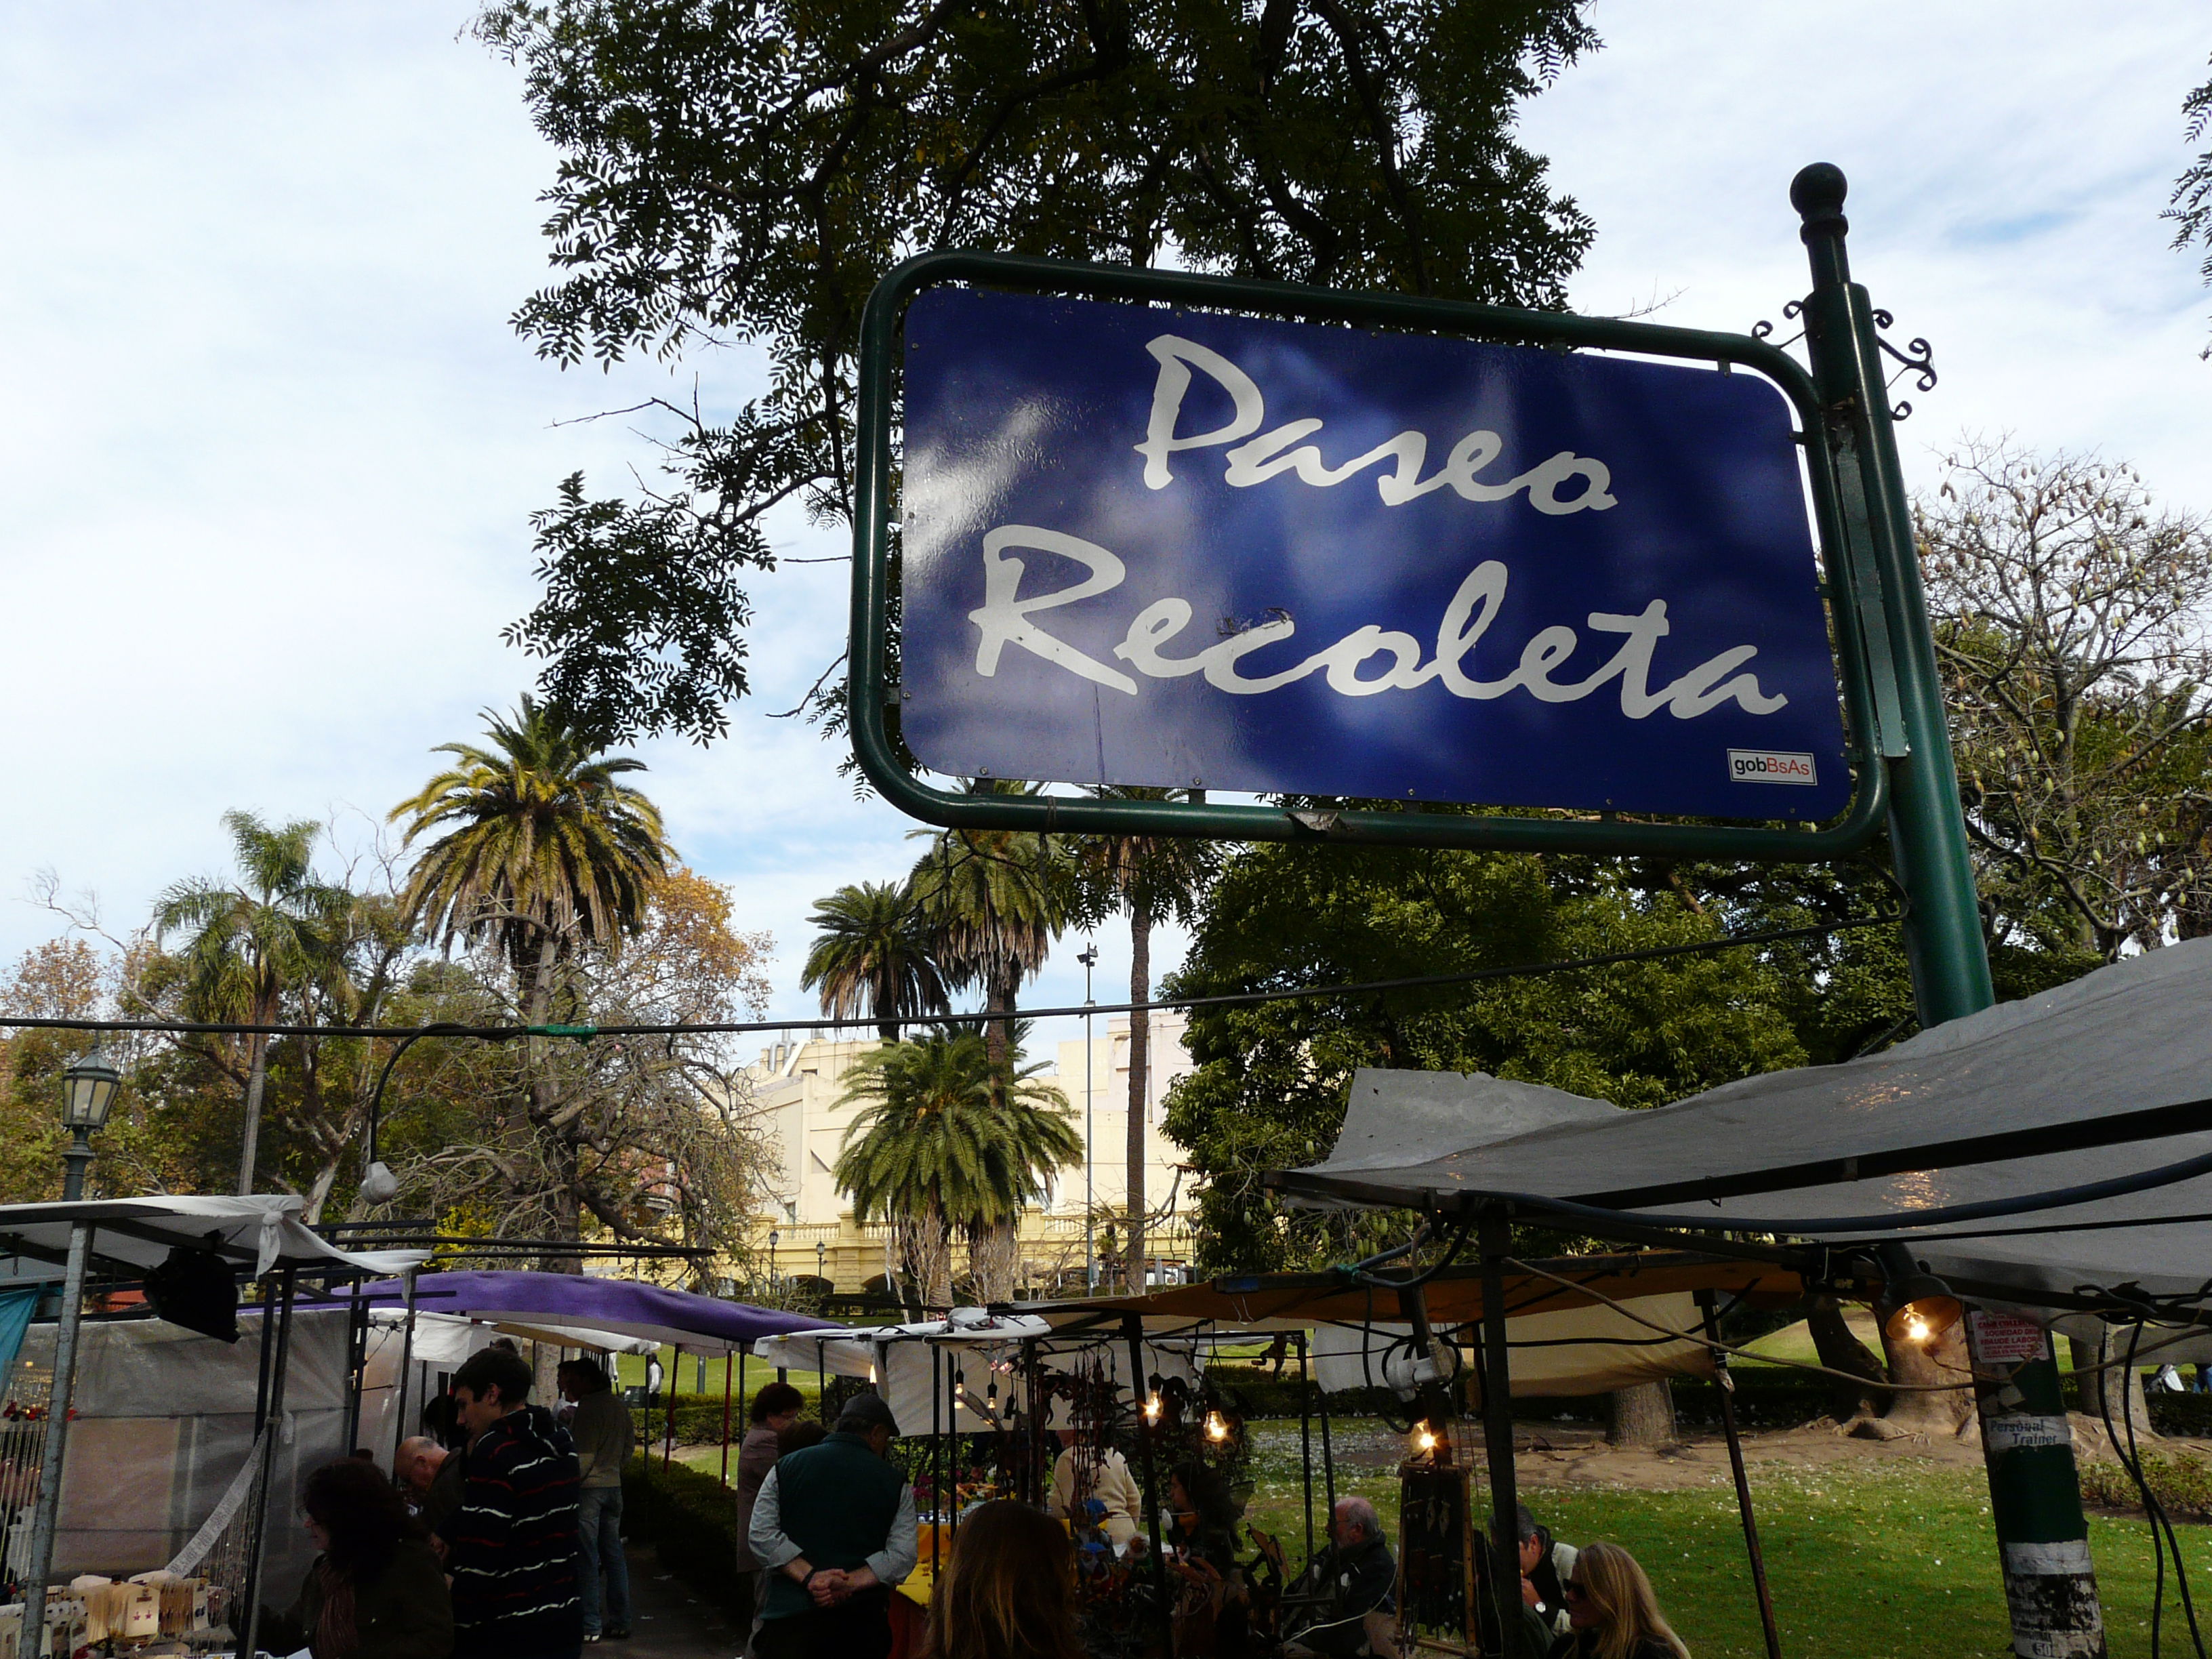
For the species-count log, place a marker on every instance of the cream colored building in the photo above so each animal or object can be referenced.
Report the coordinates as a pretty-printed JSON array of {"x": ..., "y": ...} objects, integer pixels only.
[{"x": 796, "y": 1088}]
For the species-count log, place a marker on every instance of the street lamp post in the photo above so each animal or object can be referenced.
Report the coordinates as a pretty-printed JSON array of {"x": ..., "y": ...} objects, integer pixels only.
[
  {"x": 1089, "y": 957},
  {"x": 822, "y": 1260},
  {"x": 88, "y": 1091},
  {"x": 775, "y": 1241}
]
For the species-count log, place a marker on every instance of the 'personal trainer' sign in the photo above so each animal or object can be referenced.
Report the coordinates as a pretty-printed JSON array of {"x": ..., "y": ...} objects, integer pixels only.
[{"x": 1145, "y": 545}]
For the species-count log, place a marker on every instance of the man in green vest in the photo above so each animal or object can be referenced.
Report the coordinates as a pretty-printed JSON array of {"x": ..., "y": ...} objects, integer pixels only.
[{"x": 834, "y": 1529}]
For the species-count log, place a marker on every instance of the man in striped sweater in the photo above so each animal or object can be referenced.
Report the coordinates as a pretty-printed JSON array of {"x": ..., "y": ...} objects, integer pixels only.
[{"x": 511, "y": 1546}]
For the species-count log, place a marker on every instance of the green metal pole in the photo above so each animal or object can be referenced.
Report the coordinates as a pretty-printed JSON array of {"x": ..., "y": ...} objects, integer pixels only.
[
  {"x": 2035, "y": 1491},
  {"x": 1928, "y": 835},
  {"x": 2035, "y": 1494}
]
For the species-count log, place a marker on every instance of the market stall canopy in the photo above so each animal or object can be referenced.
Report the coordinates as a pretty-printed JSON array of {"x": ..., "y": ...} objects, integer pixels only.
[
  {"x": 2025, "y": 1103},
  {"x": 569, "y": 1308},
  {"x": 134, "y": 1234}
]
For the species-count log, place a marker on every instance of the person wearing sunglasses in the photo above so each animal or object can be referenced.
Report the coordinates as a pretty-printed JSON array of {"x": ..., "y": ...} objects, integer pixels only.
[{"x": 1610, "y": 1611}]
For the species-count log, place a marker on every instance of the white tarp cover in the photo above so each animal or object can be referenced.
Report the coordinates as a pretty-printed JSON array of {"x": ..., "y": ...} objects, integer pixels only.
[
  {"x": 897, "y": 1358},
  {"x": 1566, "y": 1353},
  {"x": 164, "y": 1420},
  {"x": 2127, "y": 1037},
  {"x": 264, "y": 1229}
]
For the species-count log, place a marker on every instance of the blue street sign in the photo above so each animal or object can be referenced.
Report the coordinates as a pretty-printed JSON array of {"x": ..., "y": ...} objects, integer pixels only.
[{"x": 1147, "y": 545}]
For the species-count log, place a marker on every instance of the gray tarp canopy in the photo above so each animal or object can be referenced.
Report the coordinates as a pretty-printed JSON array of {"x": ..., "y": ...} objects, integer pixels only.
[{"x": 1785, "y": 1147}]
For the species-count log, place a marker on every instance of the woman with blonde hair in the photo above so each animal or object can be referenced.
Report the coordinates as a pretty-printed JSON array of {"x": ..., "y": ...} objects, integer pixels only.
[
  {"x": 1610, "y": 1611},
  {"x": 1007, "y": 1591}
]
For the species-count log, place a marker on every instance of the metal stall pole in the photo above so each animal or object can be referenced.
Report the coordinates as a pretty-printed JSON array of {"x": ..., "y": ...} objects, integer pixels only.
[
  {"x": 1133, "y": 1326},
  {"x": 58, "y": 1410},
  {"x": 1328, "y": 1451},
  {"x": 729, "y": 1363},
  {"x": 1495, "y": 1236},
  {"x": 936, "y": 1442},
  {"x": 668, "y": 1441},
  {"x": 357, "y": 1370},
  {"x": 1742, "y": 1479},
  {"x": 407, "y": 1367},
  {"x": 1305, "y": 1442},
  {"x": 272, "y": 1432}
]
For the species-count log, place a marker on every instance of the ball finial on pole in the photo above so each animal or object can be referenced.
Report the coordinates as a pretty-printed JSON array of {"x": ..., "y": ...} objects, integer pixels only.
[{"x": 1817, "y": 192}]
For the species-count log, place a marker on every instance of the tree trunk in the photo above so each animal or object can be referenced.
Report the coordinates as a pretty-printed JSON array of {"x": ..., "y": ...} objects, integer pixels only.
[
  {"x": 254, "y": 1081},
  {"x": 999, "y": 987},
  {"x": 1641, "y": 1416},
  {"x": 995, "y": 1253},
  {"x": 1141, "y": 1032},
  {"x": 1840, "y": 1350},
  {"x": 1943, "y": 1358},
  {"x": 2126, "y": 1397},
  {"x": 926, "y": 1245}
]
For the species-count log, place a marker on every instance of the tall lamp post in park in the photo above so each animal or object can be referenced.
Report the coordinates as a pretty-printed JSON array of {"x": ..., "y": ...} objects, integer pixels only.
[
  {"x": 1089, "y": 957},
  {"x": 87, "y": 1092}
]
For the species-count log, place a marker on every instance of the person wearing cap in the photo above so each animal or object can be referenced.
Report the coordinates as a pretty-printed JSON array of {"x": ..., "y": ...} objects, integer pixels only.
[{"x": 834, "y": 1529}]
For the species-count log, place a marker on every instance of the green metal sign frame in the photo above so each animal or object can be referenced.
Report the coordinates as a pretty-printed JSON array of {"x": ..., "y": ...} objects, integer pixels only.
[{"x": 1851, "y": 584}]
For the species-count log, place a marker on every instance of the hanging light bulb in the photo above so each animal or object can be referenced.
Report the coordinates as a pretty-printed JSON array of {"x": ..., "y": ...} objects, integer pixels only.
[
  {"x": 1216, "y": 1429},
  {"x": 1424, "y": 1438},
  {"x": 1152, "y": 1409},
  {"x": 991, "y": 1394}
]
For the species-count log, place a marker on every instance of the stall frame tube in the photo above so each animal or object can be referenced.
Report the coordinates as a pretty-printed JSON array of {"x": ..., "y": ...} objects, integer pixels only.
[
  {"x": 1495, "y": 1238},
  {"x": 729, "y": 1363},
  {"x": 1133, "y": 1328},
  {"x": 269, "y": 1432},
  {"x": 406, "y": 1370},
  {"x": 57, "y": 1412},
  {"x": 1758, "y": 1557},
  {"x": 1305, "y": 1442}
]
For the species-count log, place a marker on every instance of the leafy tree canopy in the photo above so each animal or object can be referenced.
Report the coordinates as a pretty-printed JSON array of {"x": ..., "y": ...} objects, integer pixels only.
[{"x": 742, "y": 173}]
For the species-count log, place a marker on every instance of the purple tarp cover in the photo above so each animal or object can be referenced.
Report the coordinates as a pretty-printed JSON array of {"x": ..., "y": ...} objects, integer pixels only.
[{"x": 679, "y": 1318}]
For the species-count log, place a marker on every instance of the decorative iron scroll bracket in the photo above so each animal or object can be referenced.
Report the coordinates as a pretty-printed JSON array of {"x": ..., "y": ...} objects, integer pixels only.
[{"x": 1917, "y": 359}]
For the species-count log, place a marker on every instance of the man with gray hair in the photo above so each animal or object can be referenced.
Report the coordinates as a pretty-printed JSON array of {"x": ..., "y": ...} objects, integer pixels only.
[{"x": 1357, "y": 1572}]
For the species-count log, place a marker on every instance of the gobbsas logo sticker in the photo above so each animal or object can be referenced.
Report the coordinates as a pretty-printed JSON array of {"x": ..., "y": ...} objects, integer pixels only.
[{"x": 1769, "y": 766}]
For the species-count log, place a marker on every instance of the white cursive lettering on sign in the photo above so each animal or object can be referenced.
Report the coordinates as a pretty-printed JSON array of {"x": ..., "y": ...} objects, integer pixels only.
[
  {"x": 1270, "y": 454},
  {"x": 1005, "y": 618}
]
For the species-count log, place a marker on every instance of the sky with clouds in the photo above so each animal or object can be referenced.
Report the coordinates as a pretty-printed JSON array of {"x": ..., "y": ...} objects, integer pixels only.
[{"x": 268, "y": 446}]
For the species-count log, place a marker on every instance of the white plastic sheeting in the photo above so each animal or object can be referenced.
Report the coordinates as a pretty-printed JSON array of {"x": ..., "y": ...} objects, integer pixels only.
[
  {"x": 264, "y": 1229},
  {"x": 165, "y": 1419},
  {"x": 898, "y": 1359},
  {"x": 1563, "y": 1354}
]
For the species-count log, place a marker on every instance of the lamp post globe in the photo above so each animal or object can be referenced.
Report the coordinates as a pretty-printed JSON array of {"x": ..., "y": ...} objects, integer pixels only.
[{"x": 88, "y": 1095}]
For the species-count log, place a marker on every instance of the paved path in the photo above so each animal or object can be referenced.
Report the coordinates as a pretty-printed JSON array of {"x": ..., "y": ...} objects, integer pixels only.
[{"x": 669, "y": 1621}]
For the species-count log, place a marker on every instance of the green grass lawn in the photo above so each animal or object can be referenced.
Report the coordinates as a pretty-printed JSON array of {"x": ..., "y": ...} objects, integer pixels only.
[{"x": 1865, "y": 1561}]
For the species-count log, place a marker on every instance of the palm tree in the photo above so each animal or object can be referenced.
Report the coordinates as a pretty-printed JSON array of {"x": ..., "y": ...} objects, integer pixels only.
[
  {"x": 275, "y": 931},
  {"x": 946, "y": 1139},
  {"x": 992, "y": 902},
  {"x": 546, "y": 851},
  {"x": 869, "y": 957},
  {"x": 1152, "y": 877}
]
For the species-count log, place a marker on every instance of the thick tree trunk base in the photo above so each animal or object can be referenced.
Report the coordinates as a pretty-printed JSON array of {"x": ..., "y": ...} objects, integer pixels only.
[{"x": 1641, "y": 1416}]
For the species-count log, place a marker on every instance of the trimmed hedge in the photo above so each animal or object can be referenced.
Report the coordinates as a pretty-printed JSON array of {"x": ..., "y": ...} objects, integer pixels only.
[{"x": 693, "y": 1525}]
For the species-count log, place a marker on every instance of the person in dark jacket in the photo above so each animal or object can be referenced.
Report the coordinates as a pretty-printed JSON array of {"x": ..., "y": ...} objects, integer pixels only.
[
  {"x": 511, "y": 1546},
  {"x": 605, "y": 1436},
  {"x": 1614, "y": 1613},
  {"x": 376, "y": 1591},
  {"x": 1358, "y": 1574},
  {"x": 1546, "y": 1566},
  {"x": 834, "y": 1527},
  {"x": 774, "y": 1410}
]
